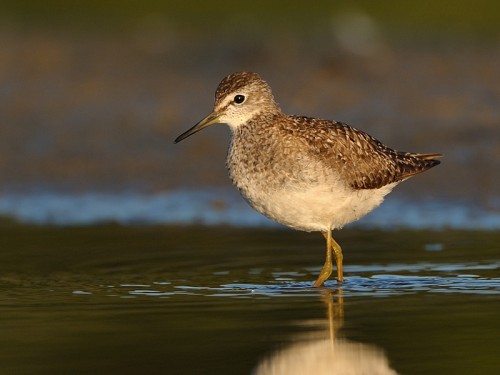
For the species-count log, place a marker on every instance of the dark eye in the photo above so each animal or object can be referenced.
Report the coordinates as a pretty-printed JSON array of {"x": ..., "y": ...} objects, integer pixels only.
[{"x": 238, "y": 99}]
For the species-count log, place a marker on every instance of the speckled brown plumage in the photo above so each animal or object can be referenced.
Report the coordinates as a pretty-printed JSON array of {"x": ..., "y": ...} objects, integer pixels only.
[
  {"x": 310, "y": 174},
  {"x": 361, "y": 160}
]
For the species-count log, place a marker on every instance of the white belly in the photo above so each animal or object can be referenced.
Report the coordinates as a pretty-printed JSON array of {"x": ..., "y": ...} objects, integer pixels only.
[{"x": 319, "y": 208}]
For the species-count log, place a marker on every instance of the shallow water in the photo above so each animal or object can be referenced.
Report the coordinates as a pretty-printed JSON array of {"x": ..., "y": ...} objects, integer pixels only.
[{"x": 184, "y": 300}]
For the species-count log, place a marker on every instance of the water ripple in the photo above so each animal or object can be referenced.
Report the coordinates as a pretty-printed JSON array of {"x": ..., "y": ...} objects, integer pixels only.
[{"x": 376, "y": 286}]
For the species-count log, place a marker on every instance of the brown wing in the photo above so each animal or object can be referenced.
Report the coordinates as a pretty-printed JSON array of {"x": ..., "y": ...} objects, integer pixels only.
[{"x": 360, "y": 159}]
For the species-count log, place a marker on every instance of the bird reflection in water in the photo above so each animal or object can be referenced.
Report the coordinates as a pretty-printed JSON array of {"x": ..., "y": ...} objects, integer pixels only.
[{"x": 325, "y": 352}]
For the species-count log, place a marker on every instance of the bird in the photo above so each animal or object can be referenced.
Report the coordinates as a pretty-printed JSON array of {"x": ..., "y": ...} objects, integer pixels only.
[{"x": 310, "y": 174}]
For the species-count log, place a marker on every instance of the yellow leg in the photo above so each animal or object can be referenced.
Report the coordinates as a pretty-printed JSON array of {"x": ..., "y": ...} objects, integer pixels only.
[
  {"x": 337, "y": 252},
  {"x": 326, "y": 271},
  {"x": 331, "y": 247}
]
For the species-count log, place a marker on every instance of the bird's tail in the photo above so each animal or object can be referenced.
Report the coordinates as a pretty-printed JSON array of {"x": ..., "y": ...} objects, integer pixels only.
[
  {"x": 418, "y": 163},
  {"x": 427, "y": 156}
]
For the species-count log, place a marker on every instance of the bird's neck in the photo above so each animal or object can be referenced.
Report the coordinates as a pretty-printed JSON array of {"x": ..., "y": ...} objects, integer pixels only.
[{"x": 260, "y": 122}]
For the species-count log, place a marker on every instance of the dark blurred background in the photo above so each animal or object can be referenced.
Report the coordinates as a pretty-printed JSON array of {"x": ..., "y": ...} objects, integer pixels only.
[{"x": 93, "y": 93}]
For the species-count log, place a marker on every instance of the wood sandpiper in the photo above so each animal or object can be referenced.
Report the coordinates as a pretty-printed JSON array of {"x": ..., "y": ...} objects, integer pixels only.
[{"x": 307, "y": 173}]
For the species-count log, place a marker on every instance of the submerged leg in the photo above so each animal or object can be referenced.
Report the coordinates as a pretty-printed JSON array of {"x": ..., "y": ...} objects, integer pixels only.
[
  {"x": 337, "y": 253},
  {"x": 326, "y": 271}
]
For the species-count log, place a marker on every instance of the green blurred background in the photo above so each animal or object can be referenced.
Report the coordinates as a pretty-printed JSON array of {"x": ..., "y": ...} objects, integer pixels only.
[{"x": 474, "y": 18}]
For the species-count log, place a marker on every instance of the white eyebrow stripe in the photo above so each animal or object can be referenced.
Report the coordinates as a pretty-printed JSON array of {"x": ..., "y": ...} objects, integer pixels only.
[
  {"x": 222, "y": 107},
  {"x": 226, "y": 102},
  {"x": 230, "y": 98}
]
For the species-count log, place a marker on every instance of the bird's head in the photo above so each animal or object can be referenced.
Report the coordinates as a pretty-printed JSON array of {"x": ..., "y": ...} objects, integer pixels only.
[{"x": 239, "y": 98}]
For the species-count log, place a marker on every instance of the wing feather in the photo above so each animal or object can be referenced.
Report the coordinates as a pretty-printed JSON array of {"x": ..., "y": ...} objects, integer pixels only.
[{"x": 363, "y": 161}]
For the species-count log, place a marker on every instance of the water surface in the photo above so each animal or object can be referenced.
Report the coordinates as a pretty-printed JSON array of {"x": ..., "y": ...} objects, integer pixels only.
[{"x": 184, "y": 300}]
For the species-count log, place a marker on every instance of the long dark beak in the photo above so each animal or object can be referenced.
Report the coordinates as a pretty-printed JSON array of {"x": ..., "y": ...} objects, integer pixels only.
[{"x": 212, "y": 118}]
